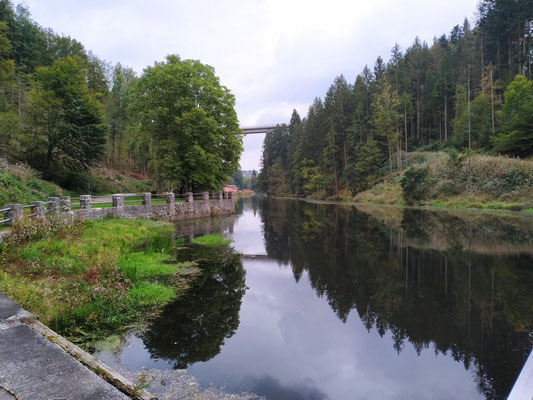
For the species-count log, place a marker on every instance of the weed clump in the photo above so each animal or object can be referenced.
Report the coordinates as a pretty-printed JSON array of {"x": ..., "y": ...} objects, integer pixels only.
[
  {"x": 211, "y": 240},
  {"x": 91, "y": 275}
]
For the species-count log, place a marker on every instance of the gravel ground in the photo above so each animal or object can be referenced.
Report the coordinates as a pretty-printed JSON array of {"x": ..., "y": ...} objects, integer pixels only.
[{"x": 180, "y": 385}]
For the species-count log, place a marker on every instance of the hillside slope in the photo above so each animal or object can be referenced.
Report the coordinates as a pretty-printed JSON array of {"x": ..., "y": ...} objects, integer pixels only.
[
  {"x": 22, "y": 184},
  {"x": 496, "y": 182}
]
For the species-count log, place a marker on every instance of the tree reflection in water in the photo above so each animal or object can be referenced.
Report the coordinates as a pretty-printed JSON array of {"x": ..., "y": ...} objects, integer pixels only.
[
  {"x": 458, "y": 284},
  {"x": 193, "y": 328}
]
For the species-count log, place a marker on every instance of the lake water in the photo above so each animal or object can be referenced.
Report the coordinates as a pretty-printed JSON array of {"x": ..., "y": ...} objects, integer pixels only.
[{"x": 350, "y": 302}]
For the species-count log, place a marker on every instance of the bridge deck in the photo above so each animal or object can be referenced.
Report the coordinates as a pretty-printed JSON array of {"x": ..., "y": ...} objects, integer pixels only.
[{"x": 256, "y": 129}]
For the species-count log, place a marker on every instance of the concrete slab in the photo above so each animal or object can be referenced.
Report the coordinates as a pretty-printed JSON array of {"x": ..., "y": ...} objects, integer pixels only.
[
  {"x": 8, "y": 307},
  {"x": 34, "y": 368}
]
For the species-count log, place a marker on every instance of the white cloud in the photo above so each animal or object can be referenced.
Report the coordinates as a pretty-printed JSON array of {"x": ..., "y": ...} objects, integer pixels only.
[{"x": 275, "y": 55}]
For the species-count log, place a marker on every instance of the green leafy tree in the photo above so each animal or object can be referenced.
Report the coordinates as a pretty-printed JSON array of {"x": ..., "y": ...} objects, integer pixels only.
[
  {"x": 415, "y": 184},
  {"x": 516, "y": 119},
  {"x": 386, "y": 117},
  {"x": 312, "y": 178},
  {"x": 65, "y": 118},
  {"x": 481, "y": 121},
  {"x": 124, "y": 135},
  {"x": 192, "y": 121},
  {"x": 365, "y": 170},
  {"x": 238, "y": 179},
  {"x": 9, "y": 121},
  {"x": 329, "y": 160},
  {"x": 460, "y": 121}
]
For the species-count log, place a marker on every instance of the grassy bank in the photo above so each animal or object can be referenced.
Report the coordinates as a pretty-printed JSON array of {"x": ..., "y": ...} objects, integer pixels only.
[
  {"x": 92, "y": 275},
  {"x": 454, "y": 181},
  {"x": 21, "y": 184}
]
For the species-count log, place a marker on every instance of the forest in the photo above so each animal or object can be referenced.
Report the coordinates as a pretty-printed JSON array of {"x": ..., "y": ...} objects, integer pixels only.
[
  {"x": 64, "y": 111},
  {"x": 466, "y": 99}
]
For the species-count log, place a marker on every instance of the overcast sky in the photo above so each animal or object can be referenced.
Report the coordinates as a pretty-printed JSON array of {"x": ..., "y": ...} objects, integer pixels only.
[{"x": 274, "y": 55}]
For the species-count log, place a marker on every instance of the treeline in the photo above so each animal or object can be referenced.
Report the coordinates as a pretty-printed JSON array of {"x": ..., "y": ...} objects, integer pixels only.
[
  {"x": 470, "y": 90},
  {"x": 64, "y": 110},
  {"x": 244, "y": 182}
]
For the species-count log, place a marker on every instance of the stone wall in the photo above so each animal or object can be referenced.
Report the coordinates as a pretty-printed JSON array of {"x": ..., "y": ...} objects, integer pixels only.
[
  {"x": 220, "y": 204},
  {"x": 169, "y": 211}
]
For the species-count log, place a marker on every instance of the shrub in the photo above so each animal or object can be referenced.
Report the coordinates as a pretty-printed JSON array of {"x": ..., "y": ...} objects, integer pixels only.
[
  {"x": 415, "y": 185},
  {"x": 33, "y": 230}
]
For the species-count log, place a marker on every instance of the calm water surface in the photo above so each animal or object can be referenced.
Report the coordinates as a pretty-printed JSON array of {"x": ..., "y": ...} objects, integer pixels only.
[{"x": 345, "y": 302}]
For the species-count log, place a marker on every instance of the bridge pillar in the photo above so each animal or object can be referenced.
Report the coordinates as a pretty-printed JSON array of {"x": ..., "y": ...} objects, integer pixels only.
[
  {"x": 146, "y": 199},
  {"x": 15, "y": 212},
  {"x": 65, "y": 204},
  {"x": 205, "y": 196},
  {"x": 220, "y": 195},
  {"x": 188, "y": 197},
  {"x": 53, "y": 205},
  {"x": 118, "y": 200},
  {"x": 85, "y": 201},
  {"x": 37, "y": 209}
]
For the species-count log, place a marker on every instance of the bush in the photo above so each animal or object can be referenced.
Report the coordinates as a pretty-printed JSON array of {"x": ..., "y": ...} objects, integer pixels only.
[{"x": 415, "y": 185}]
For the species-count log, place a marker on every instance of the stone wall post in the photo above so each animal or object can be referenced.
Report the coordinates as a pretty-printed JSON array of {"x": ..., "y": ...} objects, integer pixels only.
[
  {"x": 188, "y": 197},
  {"x": 205, "y": 196},
  {"x": 170, "y": 198},
  {"x": 37, "y": 209},
  {"x": 65, "y": 204},
  {"x": 53, "y": 205},
  {"x": 220, "y": 195},
  {"x": 118, "y": 200},
  {"x": 230, "y": 195},
  {"x": 146, "y": 199},
  {"x": 15, "y": 212},
  {"x": 85, "y": 201}
]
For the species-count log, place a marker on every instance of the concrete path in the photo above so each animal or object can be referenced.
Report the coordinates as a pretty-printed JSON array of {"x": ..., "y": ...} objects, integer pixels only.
[{"x": 32, "y": 367}]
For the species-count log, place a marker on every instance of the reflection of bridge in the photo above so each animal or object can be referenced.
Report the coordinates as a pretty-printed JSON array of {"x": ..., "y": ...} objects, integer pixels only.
[{"x": 254, "y": 129}]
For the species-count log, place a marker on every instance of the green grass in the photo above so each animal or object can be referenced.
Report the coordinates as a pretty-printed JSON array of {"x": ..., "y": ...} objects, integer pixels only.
[
  {"x": 96, "y": 275},
  {"x": 76, "y": 205},
  {"x": 152, "y": 294},
  {"x": 211, "y": 240},
  {"x": 493, "y": 205},
  {"x": 20, "y": 185},
  {"x": 141, "y": 265}
]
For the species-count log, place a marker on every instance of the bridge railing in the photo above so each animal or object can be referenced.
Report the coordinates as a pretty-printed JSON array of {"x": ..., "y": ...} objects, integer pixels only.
[
  {"x": 11, "y": 214},
  {"x": 266, "y": 126}
]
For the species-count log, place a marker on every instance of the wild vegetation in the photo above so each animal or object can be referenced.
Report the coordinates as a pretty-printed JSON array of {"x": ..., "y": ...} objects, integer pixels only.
[
  {"x": 21, "y": 184},
  {"x": 64, "y": 111},
  {"x": 92, "y": 275},
  {"x": 468, "y": 94}
]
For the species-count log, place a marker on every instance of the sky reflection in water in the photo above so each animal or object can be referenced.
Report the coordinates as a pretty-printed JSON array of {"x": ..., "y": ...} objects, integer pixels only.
[{"x": 353, "y": 304}]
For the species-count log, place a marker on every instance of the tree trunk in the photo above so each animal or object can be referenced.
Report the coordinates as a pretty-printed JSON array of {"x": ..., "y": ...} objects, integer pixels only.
[
  {"x": 48, "y": 164},
  {"x": 492, "y": 100},
  {"x": 405, "y": 129},
  {"x": 445, "y": 110},
  {"x": 417, "y": 105},
  {"x": 469, "y": 116}
]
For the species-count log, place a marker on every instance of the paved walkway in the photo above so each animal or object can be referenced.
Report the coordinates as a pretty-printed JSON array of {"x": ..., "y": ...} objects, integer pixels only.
[{"x": 32, "y": 367}]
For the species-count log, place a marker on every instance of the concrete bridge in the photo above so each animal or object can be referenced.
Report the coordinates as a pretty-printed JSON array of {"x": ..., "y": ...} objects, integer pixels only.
[{"x": 256, "y": 129}]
